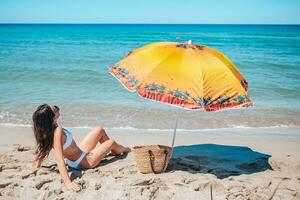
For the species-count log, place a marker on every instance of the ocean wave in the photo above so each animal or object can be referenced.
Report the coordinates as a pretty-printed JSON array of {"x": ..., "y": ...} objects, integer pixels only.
[
  {"x": 15, "y": 125},
  {"x": 162, "y": 130},
  {"x": 199, "y": 130}
]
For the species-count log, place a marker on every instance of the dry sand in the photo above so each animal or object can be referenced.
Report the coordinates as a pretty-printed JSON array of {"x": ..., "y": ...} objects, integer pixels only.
[{"x": 233, "y": 163}]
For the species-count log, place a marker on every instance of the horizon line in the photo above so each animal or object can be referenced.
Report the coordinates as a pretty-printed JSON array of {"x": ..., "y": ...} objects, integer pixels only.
[{"x": 95, "y": 23}]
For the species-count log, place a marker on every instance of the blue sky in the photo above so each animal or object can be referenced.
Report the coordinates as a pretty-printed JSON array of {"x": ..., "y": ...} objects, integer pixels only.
[{"x": 151, "y": 11}]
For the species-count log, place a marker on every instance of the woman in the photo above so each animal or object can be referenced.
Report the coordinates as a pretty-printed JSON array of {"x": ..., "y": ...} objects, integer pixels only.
[{"x": 49, "y": 134}]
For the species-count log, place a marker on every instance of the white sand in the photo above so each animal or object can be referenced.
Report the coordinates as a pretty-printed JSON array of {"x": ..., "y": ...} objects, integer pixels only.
[{"x": 229, "y": 170}]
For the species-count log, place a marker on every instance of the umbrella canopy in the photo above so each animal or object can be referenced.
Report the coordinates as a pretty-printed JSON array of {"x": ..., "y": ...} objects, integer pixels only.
[{"x": 188, "y": 75}]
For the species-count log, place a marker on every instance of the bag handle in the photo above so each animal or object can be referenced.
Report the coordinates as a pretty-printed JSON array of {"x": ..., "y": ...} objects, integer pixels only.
[{"x": 151, "y": 156}]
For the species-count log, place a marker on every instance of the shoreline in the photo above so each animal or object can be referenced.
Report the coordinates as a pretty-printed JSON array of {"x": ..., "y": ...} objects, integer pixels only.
[
  {"x": 257, "y": 138},
  {"x": 269, "y": 129}
]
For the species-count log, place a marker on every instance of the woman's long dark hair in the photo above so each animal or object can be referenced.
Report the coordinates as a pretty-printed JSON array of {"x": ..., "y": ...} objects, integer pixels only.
[{"x": 43, "y": 128}]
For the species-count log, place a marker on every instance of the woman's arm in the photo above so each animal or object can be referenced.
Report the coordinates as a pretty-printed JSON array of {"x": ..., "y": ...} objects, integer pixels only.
[{"x": 60, "y": 160}]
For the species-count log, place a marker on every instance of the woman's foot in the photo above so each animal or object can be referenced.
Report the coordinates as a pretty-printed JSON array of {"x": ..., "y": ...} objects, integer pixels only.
[{"x": 120, "y": 150}]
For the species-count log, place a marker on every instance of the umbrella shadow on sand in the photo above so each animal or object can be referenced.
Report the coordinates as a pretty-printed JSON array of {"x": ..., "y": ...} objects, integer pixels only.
[{"x": 220, "y": 160}]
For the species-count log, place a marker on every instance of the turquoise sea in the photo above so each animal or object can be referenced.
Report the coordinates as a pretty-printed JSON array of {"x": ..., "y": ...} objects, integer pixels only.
[{"x": 67, "y": 65}]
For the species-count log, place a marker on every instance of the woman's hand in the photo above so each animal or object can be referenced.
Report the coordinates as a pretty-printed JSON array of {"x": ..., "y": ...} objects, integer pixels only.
[{"x": 73, "y": 186}]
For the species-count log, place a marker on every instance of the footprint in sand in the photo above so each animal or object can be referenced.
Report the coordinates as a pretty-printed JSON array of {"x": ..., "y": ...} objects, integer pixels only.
[
  {"x": 8, "y": 192},
  {"x": 50, "y": 168},
  {"x": 4, "y": 159},
  {"x": 144, "y": 182},
  {"x": 118, "y": 177},
  {"x": 7, "y": 188},
  {"x": 97, "y": 186},
  {"x": 212, "y": 184},
  {"x": 5, "y": 184},
  {"x": 58, "y": 191},
  {"x": 188, "y": 180},
  {"x": 41, "y": 183},
  {"x": 10, "y": 166},
  {"x": 82, "y": 183},
  {"x": 20, "y": 148},
  {"x": 202, "y": 187},
  {"x": 153, "y": 182},
  {"x": 43, "y": 172},
  {"x": 29, "y": 174}
]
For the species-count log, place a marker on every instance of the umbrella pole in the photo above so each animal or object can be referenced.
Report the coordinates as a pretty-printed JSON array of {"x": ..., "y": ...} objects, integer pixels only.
[{"x": 174, "y": 132}]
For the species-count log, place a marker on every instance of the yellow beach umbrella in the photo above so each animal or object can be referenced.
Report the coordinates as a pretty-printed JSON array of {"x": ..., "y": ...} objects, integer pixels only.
[{"x": 187, "y": 75}]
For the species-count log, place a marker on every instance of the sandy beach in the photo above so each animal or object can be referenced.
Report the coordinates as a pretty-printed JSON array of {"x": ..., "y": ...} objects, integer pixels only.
[
  {"x": 240, "y": 163},
  {"x": 226, "y": 77}
]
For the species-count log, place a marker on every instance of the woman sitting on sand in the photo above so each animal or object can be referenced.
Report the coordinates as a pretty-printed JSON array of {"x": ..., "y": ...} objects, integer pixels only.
[{"x": 49, "y": 134}]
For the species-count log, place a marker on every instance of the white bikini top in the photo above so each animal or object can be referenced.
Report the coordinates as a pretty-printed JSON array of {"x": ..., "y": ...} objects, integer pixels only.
[{"x": 69, "y": 139}]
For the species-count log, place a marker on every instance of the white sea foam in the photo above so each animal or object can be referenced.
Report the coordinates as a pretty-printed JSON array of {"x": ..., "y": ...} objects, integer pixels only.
[
  {"x": 15, "y": 125},
  {"x": 162, "y": 130}
]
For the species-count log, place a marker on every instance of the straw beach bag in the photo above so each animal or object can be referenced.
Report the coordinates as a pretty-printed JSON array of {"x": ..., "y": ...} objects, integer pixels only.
[{"x": 152, "y": 158}]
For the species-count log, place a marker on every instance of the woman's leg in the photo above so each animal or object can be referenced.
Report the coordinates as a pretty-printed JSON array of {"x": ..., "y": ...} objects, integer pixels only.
[
  {"x": 95, "y": 156},
  {"x": 90, "y": 141},
  {"x": 98, "y": 134}
]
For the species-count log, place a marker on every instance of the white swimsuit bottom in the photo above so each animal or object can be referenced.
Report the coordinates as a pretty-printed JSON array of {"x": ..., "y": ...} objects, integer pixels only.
[{"x": 76, "y": 164}]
